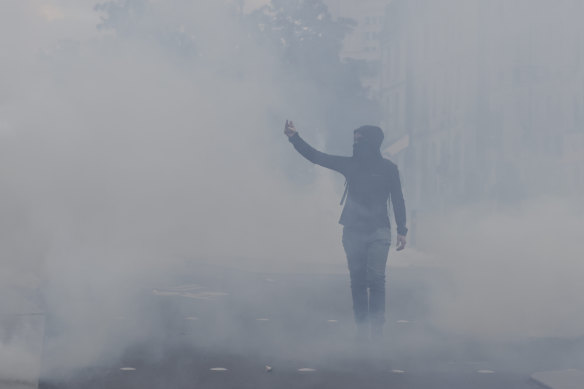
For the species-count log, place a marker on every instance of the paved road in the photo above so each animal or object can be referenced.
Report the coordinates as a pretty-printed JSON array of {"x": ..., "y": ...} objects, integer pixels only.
[{"x": 220, "y": 327}]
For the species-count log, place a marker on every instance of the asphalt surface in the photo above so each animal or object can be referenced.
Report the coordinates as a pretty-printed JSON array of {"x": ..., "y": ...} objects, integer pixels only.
[{"x": 222, "y": 327}]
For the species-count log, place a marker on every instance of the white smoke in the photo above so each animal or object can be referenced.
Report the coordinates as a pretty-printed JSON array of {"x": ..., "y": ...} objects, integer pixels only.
[
  {"x": 121, "y": 159},
  {"x": 512, "y": 274}
]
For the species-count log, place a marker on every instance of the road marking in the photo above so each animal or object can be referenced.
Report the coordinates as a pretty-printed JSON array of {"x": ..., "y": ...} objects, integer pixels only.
[
  {"x": 395, "y": 371},
  {"x": 332, "y": 321},
  {"x": 191, "y": 318},
  {"x": 485, "y": 371},
  {"x": 262, "y": 319},
  {"x": 306, "y": 370},
  {"x": 204, "y": 295},
  {"x": 184, "y": 292},
  {"x": 218, "y": 369},
  {"x": 164, "y": 293},
  {"x": 127, "y": 368},
  {"x": 403, "y": 321}
]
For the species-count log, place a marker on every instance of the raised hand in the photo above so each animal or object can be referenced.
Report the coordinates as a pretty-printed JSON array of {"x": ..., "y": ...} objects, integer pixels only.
[{"x": 289, "y": 129}]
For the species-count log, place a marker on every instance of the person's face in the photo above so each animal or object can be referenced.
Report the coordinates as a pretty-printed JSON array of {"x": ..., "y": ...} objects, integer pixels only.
[{"x": 357, "y": 136}]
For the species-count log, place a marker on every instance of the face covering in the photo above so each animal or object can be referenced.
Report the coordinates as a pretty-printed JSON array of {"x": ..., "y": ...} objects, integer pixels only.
[
  {"x": 367, "y": 146},
  {"x": 363, "y": 149}
]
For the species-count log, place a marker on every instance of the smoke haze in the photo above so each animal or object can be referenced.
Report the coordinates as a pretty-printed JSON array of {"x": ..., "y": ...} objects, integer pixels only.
[
  {"x": 121, "y": 158},
  {"x": 128, "y": 152}
]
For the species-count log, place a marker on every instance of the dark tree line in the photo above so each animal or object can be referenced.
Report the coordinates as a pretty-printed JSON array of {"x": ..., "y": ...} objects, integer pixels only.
[
  {"x": 304, "y": 37},
  {"x": 309, "y": 41}
]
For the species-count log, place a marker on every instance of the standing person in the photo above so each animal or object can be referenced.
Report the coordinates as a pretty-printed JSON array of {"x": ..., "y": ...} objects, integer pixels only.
[{"x": 371, "y": 182}]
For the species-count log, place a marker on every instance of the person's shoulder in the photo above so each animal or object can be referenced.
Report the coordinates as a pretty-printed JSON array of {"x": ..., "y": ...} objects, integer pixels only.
[
  {"x": 390, "y": 168},
  {"x": 389, "y": 164}
]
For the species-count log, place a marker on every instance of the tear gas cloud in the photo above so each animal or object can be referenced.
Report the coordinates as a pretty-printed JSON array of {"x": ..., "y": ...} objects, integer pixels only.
[
  {"x": 512, "y": 275},
  {"x": 122, "y": 157},
  {"x": 495, "y": 171}
]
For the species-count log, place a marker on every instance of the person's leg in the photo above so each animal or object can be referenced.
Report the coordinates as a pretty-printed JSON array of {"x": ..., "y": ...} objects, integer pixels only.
[
  {"x": 377, "y": 253},
  {"x": 356, "y": 250}
]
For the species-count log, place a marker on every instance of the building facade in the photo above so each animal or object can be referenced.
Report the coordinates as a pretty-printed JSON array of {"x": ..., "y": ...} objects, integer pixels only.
[
  {"x": 489, "y": 95},
  {"x": 363, "y": 43}
]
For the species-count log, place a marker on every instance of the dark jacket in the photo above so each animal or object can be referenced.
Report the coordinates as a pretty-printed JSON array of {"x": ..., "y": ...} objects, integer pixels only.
[{"x": 371, "y": 184}]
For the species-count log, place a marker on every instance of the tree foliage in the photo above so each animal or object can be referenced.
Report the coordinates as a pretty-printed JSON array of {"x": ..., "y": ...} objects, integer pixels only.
[
  {"x": 302, "y": 35},
  {"x": 126, "y": 18},
  {"x": 309, "y": 41}
]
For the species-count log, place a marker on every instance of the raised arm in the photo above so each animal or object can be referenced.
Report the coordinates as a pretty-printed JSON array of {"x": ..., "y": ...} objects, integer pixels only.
[
  {"x": 333, "y": 162},
  {"x": 399, "y": 210}
]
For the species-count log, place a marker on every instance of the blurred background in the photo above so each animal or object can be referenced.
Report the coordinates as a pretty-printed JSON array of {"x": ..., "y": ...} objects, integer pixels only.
[{"x": 141, "y": 145}]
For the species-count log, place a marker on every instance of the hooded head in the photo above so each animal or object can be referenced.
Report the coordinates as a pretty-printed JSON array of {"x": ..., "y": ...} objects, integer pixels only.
[{"x": 367, "y": 142}]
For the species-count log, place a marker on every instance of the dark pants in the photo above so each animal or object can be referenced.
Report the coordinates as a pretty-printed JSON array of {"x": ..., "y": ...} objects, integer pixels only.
[{"x": 367, "y": 256}]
